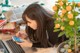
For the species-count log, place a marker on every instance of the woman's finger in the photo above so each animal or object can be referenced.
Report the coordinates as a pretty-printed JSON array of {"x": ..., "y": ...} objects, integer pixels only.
[
  {"x": 21, "y": 34},
  {"x": 17, "y": 34},
  {"x": 18, "y": 43}
]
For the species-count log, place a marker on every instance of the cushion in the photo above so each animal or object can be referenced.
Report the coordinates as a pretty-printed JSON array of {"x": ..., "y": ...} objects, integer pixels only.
[
  {"x": 14, "y": 15},
  {"x": 8, "y": 27}
]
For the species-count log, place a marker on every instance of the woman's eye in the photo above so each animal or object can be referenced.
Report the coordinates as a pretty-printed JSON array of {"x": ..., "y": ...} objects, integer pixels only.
[{"x": 28, "y": 22}]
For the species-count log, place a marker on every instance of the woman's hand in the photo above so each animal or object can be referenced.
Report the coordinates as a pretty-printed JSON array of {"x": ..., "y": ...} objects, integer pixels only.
[
  {"x": 25, "y": 43},
  {"x": 21, "y": 34}
]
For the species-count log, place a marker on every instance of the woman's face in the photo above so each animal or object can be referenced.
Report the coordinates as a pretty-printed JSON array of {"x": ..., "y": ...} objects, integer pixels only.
[{"x": 31, "y": 23}]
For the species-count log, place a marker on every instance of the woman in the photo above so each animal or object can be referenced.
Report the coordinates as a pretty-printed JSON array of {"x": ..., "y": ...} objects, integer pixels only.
[{"x": 39, "y": 27}]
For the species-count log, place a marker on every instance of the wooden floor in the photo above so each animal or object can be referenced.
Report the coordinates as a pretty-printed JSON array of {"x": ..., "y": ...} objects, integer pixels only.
[
  {"x": 43, "y": 50},
  {"x": 30, "y": 50}
]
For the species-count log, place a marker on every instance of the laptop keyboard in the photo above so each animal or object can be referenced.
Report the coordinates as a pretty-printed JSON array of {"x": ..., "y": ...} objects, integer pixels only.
[{"x": 14, "y": 47}]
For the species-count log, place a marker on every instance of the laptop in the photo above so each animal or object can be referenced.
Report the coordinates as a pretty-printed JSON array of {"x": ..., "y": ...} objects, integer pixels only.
[{"x": 10, "y": 46}]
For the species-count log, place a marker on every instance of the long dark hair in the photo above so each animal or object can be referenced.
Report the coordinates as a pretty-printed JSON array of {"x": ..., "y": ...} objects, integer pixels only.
[{"x": 36, "y": 12}]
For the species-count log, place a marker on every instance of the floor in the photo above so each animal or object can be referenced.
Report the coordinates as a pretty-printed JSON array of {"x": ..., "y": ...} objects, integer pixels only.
[{"x": 41, "y": 50}]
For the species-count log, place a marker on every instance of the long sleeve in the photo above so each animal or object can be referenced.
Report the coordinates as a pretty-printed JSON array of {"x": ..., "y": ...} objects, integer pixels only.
[{"x": 53, "y": 36}]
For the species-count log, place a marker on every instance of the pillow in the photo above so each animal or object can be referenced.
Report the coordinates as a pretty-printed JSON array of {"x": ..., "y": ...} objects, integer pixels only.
[
  {"x": 8, "y": 14},
  {"x": 2, "y": 22},
  {"x": 8, "y": 28},
  {"x": 14, "y": 15}
]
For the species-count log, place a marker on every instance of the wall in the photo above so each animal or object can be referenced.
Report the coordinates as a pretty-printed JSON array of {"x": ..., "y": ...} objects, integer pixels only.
[{"x": 48, "y": 3}]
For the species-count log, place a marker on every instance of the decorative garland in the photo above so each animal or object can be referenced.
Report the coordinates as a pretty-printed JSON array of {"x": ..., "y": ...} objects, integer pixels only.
[{"x": 5, "y": 4}]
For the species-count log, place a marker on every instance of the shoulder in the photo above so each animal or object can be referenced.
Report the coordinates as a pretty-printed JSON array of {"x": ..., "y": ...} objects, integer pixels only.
[
  {"x": 50, "y": 24},
  {"x": 50, "y": 27}
]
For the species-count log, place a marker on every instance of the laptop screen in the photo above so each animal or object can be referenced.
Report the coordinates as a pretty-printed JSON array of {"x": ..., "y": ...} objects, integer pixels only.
[{"x": 3, "y": 49}]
